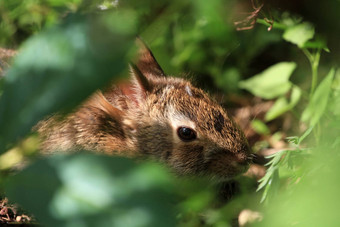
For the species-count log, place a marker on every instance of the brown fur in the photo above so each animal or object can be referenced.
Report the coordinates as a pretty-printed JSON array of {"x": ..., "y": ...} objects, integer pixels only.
[{"x": 140, "y": 118}]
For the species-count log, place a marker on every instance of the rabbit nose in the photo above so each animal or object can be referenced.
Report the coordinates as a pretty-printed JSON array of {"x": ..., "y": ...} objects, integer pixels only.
[
  {"x": 243, "y": 159},
  {"x": 246, "y": 149},
  {"x": 245, "y": 156}
]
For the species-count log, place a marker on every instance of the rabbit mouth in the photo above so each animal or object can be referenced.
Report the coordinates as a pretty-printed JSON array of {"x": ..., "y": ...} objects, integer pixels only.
[
  {"x": 240, "y": 168},
  {"x": 226, "y": 176},
  {"x": 221, "y": 171}
]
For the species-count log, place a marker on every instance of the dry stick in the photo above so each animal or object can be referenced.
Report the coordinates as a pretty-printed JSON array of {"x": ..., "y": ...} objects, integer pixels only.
[{"x": 250, "y": 19}]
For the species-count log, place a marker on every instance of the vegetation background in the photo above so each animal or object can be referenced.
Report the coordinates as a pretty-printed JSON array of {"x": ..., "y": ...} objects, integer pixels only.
[{"x": 276, "y": 61}]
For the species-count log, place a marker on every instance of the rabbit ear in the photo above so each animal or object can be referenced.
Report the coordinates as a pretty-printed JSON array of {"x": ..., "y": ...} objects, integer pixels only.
[
  {"x": 138, "y": 87},
  {"x": 144, "y": 75},
  {"x": 146, "y": 62}
]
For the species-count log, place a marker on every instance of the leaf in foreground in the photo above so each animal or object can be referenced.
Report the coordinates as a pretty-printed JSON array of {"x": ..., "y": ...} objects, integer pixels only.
[
  {"x": 56, "y": 70},
  {"x": 299, "y": 34},
  {"x": 272, "y": 82},
  {"x": 318, "y": 103},
  {"x": 96, "y": 190},
  {"x": 282, "y": 105}
]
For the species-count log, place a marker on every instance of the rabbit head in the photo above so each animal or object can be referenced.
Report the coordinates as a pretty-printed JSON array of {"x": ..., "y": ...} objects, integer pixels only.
[{"x": 171, "y": 120}]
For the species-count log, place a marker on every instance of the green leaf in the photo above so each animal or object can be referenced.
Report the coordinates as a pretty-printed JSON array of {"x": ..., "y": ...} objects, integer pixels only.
[
  {"x": 272, "y": 185},
  {"x": 114, "y": 191},
  {"x": 314, "y": 190},
  {"x": 282, "y": 105},
  {"x": 293, "y": 140},
  {"x": 299, "y": 34},
  {"x": 272, "y": 82},
  {"x": 272, "y": 177},
  {"x": 334, "y": 106},
  {"x": 318, "y": 103},
  {"x": 276, "y": 157},
  {"x": 228, "y": 80},
  {"x": 305, "y": 134},
  {"x": 56, "y": 70},
  {"x": 260, "y": 127}
]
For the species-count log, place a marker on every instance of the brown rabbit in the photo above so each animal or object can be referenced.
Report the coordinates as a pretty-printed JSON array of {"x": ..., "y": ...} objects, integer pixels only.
[{"x": 155, "y": 116}]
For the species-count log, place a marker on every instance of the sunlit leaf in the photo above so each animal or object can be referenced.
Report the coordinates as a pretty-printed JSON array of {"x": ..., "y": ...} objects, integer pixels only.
[
  {"x": 271, "y": 177},
  {"x": 315, "y": 193},
  {"x": 260, "y": 127},
  {"x": 305, "y": 134},
  {"x": 299, "y": 34},
  {"x": 318, "y": 103},
  {"x": 281, "y": 105},
  {"x": 272, "y": 82},
  {"x": 334, "y": 106}
]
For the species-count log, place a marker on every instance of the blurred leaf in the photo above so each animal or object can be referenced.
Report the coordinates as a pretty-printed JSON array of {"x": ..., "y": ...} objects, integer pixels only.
[
  {"x": 198, "y": 201},
  {"x": 40, "y": 183},
  {"x": 1, "y": 85},
  {"x": 314, "y": 200},
  {"x": 57, "y": 69},
  {"x": 305, "y": 134},
  {"x": 114, "y": 21},
  {"x": 270, "y": 181},
  {"x": 334, "y": 106},
  {"x": 293, "y": 140},
  {"x": 211, "y": 16},
  {"x": 64, "y": 191},
  {"x": 260, "y": 127},
  {"x": 318, "y": 103},
  {"x": 317, "y": 44},
  {"x": 281, "y": 105},
  {"x": 296, "y": 141},
  {"x": 299, "y": 34},
  {"x": 17, "y": 155},
  {"x": 272, "y": 82},
  {"x": 228, "y": 80}
]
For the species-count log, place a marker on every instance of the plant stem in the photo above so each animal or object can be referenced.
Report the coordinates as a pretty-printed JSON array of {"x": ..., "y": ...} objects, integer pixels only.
[
  {"x": 308, "y": 55},
  {"x": 315, "y": 67},
  {"x": 314, "y": 60},
  {"x": 275, "y": 24}
]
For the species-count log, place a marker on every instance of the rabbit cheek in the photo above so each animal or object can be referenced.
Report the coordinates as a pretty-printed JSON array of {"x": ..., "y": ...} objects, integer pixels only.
[
  {"x": 187, "y": 159},
  {"x": 154, "y": 140}
]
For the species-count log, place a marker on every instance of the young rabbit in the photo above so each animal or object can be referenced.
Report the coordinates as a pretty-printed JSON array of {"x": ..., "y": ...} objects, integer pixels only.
[{"x": 155, "y": 116}]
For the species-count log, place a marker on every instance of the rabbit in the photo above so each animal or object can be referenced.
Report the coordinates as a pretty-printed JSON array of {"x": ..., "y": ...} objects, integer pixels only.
[{"x": 154, "y": 116}]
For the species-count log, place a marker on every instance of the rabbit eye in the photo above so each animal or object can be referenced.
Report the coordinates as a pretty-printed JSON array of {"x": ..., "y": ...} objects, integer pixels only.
[{"x": 186, "y": 134}]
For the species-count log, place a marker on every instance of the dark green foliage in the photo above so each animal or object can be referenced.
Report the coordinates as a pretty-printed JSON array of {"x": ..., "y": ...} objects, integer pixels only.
[
  {"x": 92, "y": 190},
  {"x": 57, "y": 69},
  {"x": 68, "y": 49}
]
